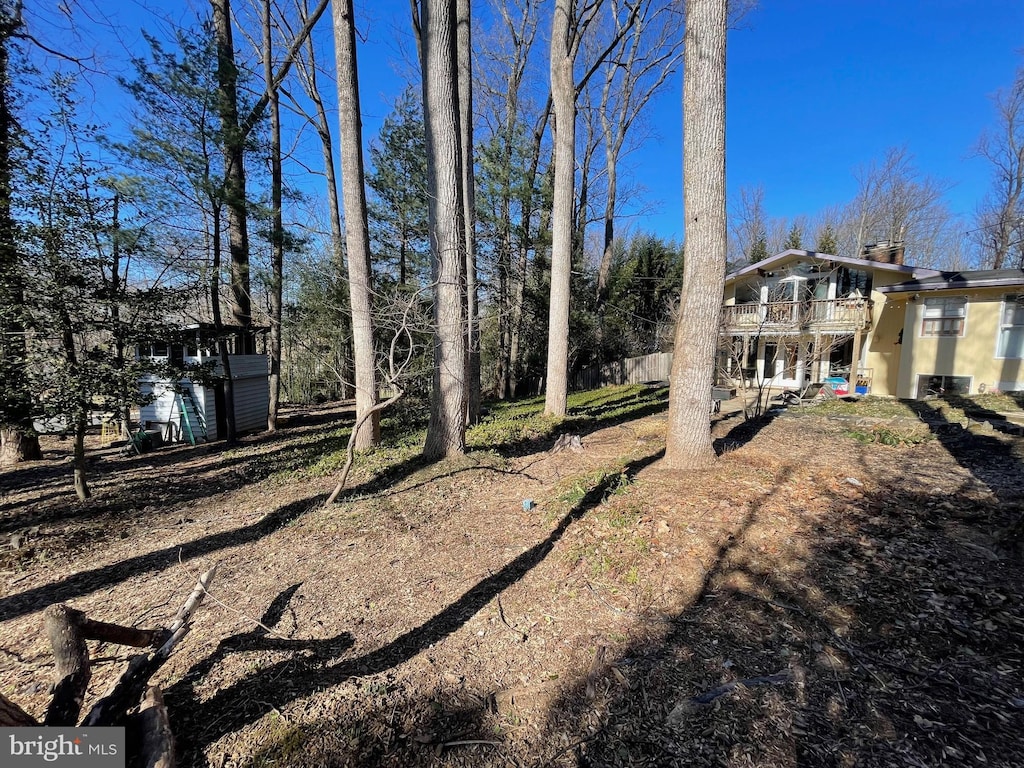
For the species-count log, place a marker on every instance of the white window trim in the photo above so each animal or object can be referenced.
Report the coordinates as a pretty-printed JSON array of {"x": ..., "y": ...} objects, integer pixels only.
[
  {"x": 922, "y": 319},
  {"x": 1000, "y": 325}
]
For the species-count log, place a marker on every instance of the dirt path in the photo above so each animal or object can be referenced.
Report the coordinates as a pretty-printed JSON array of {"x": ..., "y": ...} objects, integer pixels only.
[{"x": 860, "y": 590}]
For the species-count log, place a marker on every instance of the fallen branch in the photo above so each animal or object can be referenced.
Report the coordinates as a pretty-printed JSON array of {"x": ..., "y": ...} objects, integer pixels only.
[
  {"x": 67, "y": 630},
  {"x": 156, "y": 745},
  {"x": 350, "y": 453},
  {"x": 686, "y": 706},
  {"x": 126, "y": 693}
]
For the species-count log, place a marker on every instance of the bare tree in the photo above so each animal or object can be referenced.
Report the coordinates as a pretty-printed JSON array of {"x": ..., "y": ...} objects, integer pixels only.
[
  {"x": 1000, "y": 219},
  {"x": 276, "y": 221},
  {"x": 634, "y": 74},
  {"x": 402, "y": 318},
  {"x": 516, "y": 128},
  {"x": 465, "y": 78},
  {"x": 568, "y": 29},
  {"x": 235, "y": 131},
  {"x": 688, "y": 443},
  {"x": 357, "y": 234},
  {"x": 895, "y": 203},
  {"x": 307, "y": 70},
  {"x": 435, "y": 25},
  {"x": 749, "y": 224},
  {"x": 565, "y": 41}
]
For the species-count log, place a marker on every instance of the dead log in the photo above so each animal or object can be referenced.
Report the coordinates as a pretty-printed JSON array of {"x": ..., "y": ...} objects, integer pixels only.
[
  {"x": 73, "y": 672},
  {"x": 113, "y": 708},
  {"x": 13, "y": 716},
  {"x": 131, "y": 701},
  {"x": 150, "y": 731},
  {"x": 67, "y": 630}
]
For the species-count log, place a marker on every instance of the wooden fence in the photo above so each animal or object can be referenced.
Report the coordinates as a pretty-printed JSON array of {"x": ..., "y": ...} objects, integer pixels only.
[{"x": 632, "y": 370}]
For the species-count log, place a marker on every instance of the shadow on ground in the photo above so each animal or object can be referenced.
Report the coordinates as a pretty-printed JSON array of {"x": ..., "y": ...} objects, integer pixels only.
[
  {"x": 200, "y": 722},
  {"x": 897, "y": 641}
]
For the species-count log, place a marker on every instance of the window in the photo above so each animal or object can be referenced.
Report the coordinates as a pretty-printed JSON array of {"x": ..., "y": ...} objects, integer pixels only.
[
  {"x": 935, "y": 385},
  {"x": 748, "y": 293},
  {"x": 1011, "y": 328},
  {"x": 850, "y": 280},
  {"x": 944, "y": 316}
]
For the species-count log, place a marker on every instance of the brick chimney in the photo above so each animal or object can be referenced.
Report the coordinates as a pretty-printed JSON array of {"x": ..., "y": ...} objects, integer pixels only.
[{"x": 885, "y": 252}]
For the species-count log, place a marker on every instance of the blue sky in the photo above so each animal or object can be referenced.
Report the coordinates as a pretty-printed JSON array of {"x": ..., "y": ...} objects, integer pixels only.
[{"x": 816, "y": 90}]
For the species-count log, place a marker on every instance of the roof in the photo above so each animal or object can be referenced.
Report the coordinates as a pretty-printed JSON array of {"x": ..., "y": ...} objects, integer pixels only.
[
  {"x": 796, "y": 254},
  {"x": 944, "y": 281}
]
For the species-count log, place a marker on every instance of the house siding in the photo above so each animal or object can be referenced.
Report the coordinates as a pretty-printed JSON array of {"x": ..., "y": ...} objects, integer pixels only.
[
  {"x": 971, "y": 355},
  {"x": 883, "y": 348},
  {"x": 249, "y": 377}
]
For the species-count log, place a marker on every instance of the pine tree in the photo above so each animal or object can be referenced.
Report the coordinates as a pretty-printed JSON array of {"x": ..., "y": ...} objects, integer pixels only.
[
  {"x": 398, "y": 199},
  {"x": 18, "y": 439},
  {"x": 793, "y": 239},
  {"x": 759, "y": 248},
  {"x": 827, "y": 242}
]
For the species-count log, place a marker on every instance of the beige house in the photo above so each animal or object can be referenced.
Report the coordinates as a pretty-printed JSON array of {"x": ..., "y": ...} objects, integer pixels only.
[
  {"x": 892, "y": 329},
  {"x": 801, "y": 317},
  {"x": 962, "y": 332}
]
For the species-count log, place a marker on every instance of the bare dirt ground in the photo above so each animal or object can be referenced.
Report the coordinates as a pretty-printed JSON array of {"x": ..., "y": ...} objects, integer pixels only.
[{"x": 811, "y": 600}]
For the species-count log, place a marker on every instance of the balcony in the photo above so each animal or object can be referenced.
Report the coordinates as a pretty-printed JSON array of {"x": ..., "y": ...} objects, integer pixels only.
[{"x": 789, "y": 317}]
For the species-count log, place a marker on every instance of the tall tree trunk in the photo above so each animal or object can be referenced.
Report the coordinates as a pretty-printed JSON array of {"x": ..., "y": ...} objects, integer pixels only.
[
  {"x": 563, "y": 96},
  {"x": 337, "y": 275},
  {"x": 276, "y": 225},
  {"x": 81, "y": 408},
  {"x": 357, "y": 233},
  {"x": 607, "y": 252},
  {"x": 522, "y": 32},
  {"x": 234, "y": 177},
  {"x": 523, "y": 256},
  {"x": 18, "y": 438},
  {"x": 465, "y": 79},
  {"x": 446, "y": 430},
  {"x": 688, "y": 443},
  {"x": 230, "y": 432},
  {"x": 81, "y": 477}
]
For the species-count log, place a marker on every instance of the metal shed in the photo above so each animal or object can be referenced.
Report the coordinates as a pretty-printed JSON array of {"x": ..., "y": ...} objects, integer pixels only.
[{"x": 185, "y": 410}]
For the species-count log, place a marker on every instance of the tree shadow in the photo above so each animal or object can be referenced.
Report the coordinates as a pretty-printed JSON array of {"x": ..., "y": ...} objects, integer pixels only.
[
  {"x": 199, "y": 723},
  {"x": 893, "y": 640},
  {"x": 991, "y": 459},
  {"x": 744, "y": 431},
  {"x": 605, "y": 411},
  {"x": 84, "y": 582}
]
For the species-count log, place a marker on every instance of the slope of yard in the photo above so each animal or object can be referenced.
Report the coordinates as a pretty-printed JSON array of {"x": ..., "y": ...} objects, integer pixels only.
[{"x": 838, "y": 590}]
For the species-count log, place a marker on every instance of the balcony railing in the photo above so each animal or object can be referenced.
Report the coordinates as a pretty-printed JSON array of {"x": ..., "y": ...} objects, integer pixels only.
[{"x": 826, "y": 316}]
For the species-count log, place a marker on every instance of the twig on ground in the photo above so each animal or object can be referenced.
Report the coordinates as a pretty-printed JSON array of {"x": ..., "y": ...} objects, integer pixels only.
[
  {"x": 470, "y": 743},
  {"x": 501, "y": 615},
  {"x": 237, "y": 612},
  {"x": 680, "y": 710}
]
